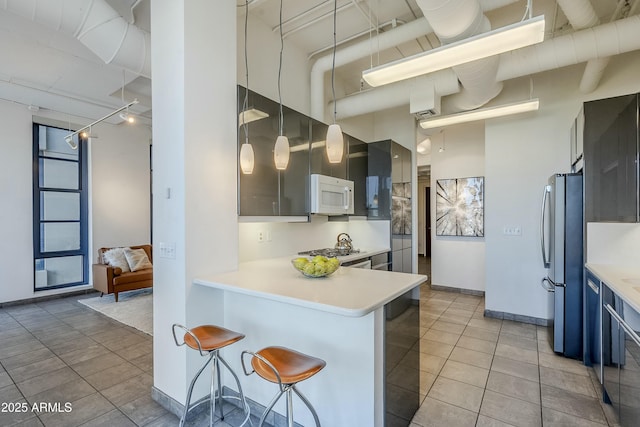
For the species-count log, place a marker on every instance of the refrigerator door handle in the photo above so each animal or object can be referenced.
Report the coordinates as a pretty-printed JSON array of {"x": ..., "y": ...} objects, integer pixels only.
[
  {"x": 545, "y": 261},
  {"x": 548, "y": 285}
]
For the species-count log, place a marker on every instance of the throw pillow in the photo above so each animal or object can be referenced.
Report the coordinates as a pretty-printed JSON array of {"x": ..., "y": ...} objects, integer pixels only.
[
  {"x": 115, "y": 258},
  {"x": 137, "y": 259}
]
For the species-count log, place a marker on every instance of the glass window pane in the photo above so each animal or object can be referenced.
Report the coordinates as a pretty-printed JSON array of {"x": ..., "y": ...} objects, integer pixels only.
[
  {"x": 59, "y": 236},
  {"x": 51, "y": 143},
  {"x": 59, "y": 174},
  {"x": 58, "y": 271},
  {"x": 55, "y": 206}
]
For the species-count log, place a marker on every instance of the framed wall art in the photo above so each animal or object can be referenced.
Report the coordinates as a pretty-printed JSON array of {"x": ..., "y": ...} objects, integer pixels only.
[{"x": 460, "y": 207}]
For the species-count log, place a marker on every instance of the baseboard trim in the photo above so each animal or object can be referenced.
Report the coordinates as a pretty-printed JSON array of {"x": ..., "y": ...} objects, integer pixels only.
[
  {"x": 457, "y": 290},
  {"x": 517, "y": 317},
  {"x": 47, "y": 297}
]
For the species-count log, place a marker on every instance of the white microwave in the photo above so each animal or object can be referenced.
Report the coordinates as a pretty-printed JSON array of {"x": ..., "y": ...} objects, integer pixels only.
[{"x": 331, "y": 196}]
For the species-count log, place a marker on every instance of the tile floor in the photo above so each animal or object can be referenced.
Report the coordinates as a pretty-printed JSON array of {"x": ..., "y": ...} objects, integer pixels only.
[{"x": 475, "y": 371}]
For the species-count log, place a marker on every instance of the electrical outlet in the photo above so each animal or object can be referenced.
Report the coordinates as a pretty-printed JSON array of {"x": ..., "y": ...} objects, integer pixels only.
[
  {"x": 260, "y": 236},
  {"x": 167, "y": 250},
  {"x": 515, "y": 230}
]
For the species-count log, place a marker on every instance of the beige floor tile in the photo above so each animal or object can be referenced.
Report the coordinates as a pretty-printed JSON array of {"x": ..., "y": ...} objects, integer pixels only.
[
  {"x": 486, "y": 323},
  {"x": 567, "y": 381},
  {"x": 484, "y": 421},
  {"x": 465, "y": 373},
  {"x": 435, "y": 348},
  {"x": 517, "y": 353},
  {"x": 510, "y": 385},
  {"x": 476, "y": 344},
  {"x": 552, "y": 418},
  {"x": 516, "y": 368},
  {"x": 452, "y": 328},
  {"x": 577, "y": 405},
  {"x": 481, "y": 334},
  {"x": 510, "y": 410},
  {"x": 458, "y": 305},
  {"x": 520, "y": 329},
  {"x": 471, "y": 357},
  {"x": 457, "y": 393},
  {"x": 434, "y": 413},
  {"x": 440, "y": 336},
  {"x": 517, "y": 341},
  {"x": 562, "y": 363}
]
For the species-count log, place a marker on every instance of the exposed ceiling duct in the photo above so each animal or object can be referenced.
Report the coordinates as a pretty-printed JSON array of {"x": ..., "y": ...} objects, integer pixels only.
[
  {"x": 96, "y": 25},
  {"x": 581, "y": 14},
  {"x": 581, "y": 46},
  {"x": 401, "y": 34},
  {"x": 454, "y": 20}
]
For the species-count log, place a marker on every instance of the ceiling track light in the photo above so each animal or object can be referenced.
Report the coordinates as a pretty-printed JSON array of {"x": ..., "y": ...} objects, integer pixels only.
[
  {"x": 505, "y": 39},
  {"x": 69, "y": 138},
  {"x": 482, "y": 114}
]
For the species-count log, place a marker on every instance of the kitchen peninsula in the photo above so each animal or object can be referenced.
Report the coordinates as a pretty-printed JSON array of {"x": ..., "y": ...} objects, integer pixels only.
[{"x": 339, "y": 318}]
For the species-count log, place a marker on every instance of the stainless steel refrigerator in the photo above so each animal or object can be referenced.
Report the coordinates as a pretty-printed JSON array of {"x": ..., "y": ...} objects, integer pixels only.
[{"x": 561, "y": 238}]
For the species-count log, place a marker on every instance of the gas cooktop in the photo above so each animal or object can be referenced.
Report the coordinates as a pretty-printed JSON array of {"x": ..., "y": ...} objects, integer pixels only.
[{"x": 329, "y": 252}]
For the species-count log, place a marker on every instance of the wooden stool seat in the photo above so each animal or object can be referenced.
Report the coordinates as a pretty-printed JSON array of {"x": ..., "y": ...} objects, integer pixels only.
[
  {"x": 292, "y": 366},
  {"x": 211, "y": 337}
]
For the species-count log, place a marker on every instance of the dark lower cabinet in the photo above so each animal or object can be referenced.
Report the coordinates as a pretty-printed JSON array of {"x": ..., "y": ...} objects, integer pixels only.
[
  {"x": 402, "y": 365},
  {"x": 621, "y": 357}
]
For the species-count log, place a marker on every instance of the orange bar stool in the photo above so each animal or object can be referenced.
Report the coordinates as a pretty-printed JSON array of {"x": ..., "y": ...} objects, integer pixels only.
[
  {"x": 286, "y": 368},
  {"x": 208, "y": 340}
]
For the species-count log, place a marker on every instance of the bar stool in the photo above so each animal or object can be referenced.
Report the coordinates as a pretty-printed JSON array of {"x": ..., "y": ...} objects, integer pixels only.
[
  {"x": 286, "y": 368},
  {"x": 208, "y": 340}
]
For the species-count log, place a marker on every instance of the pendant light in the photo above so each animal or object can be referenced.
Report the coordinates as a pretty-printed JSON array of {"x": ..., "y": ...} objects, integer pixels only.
[
  {"x": 246, "y": 150},
  {"x": 281, "y": 149},
  {"x": 335, "y": 140}
]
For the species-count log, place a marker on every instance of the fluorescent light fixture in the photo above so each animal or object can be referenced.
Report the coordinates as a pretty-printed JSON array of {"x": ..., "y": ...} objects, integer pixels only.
[
  {"x": 481, "y": 114},
  {"x": 491, "y": 43},
  {"x": 251, "y": 115}
]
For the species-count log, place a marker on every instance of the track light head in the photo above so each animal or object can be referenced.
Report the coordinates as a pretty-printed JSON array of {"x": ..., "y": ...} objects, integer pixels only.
[{"x": 127, "y": 117}]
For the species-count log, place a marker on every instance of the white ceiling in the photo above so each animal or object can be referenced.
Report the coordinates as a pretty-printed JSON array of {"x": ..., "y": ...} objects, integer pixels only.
[{"x": 46, "y": 68}]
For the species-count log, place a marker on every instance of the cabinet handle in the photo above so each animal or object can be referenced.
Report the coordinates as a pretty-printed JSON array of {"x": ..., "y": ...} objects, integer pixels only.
[
  {"x": 347, "y": 199},
  {"x": 593, "y": 287},
  {"x": 622, "y": 323}
]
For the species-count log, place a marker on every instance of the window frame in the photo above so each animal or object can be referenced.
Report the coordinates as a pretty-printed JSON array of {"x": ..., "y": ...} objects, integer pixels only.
[{"x": 83, "y": 185}]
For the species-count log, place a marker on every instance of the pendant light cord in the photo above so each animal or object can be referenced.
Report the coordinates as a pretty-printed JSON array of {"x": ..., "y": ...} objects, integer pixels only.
[
  {"x": 280, "y": 71},
  {"x": 333, "y": 64},
  {"x": 245, "y": 104}
]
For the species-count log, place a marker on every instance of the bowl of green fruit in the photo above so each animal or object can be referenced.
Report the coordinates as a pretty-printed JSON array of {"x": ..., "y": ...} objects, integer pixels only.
[{"x": 318, "y": 266}]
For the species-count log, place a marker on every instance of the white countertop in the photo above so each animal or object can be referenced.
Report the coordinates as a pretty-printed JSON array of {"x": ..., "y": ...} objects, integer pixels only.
[
  {"x": 364, "y": 253},
  {"x": 624, "y": 280},
  {"x": 349, "y": 292}
]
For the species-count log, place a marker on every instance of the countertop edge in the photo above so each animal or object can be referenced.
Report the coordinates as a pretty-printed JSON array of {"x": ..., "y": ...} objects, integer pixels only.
[{"x": 612, "y": 275}]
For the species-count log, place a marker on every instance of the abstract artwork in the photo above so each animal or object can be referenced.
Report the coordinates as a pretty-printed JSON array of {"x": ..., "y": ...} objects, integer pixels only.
[{"x": 460, "y": 207}]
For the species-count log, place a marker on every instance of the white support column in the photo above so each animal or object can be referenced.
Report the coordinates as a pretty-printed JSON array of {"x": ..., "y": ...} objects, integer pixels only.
[{"x": 194, "y": 171}]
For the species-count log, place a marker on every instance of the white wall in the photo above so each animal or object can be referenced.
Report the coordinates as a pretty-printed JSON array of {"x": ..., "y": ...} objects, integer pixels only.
[
  {"x": 521, "y": 153},
  {"x": 119, "y": 159},
  {"x": 263, "y": 51},
  {"x": 458, "y": 262},
  {"x": 287, "y": 239}
]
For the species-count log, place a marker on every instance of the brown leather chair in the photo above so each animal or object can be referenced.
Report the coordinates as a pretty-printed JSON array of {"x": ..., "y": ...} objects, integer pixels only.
[
  {"x": 107, "y": 279},
  {"x": 286, "y": 368}
]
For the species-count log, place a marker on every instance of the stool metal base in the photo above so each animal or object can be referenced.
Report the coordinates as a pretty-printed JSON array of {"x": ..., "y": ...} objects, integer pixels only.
[
  {"x": 288, "y": 389},
  {"x": 215, "y": 374}
]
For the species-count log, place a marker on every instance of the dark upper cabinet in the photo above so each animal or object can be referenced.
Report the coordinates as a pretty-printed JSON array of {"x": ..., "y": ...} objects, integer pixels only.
[
  {"x": 611, "y": 159},
  {"x": 268, "y": 191},
  {"x": 357, "y": 166}
]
